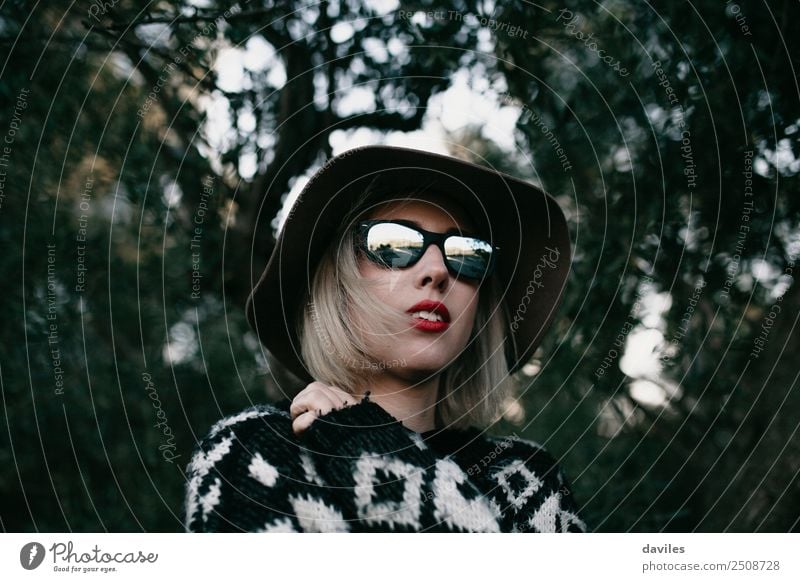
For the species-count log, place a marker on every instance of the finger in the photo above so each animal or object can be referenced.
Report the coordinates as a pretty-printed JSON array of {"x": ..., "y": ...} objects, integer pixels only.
[
  {"x": 336, "y": 394},
  {"x": 344, "y": 398},
  {"x": 311, "y": 387},
  {"x": 315, "y": 400},
  {"x": 302, "y": 422},
  {"x": 338, "y": 398}
]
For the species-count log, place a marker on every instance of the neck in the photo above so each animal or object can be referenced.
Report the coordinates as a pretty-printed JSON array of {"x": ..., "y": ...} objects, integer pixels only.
[{"x": 413, "y": 404}]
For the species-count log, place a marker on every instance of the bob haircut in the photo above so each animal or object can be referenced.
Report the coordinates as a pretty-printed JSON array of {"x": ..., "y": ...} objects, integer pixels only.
[{"x": 472, "y": 387}]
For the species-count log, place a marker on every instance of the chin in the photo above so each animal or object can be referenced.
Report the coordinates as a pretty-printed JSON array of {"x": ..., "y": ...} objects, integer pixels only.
[
  {"x": 425, "y": 364},
  {"x": 415, "y": 375}
]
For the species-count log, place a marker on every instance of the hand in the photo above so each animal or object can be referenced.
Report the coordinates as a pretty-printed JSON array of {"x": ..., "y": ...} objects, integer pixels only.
[{"x": 315, "y": 400}]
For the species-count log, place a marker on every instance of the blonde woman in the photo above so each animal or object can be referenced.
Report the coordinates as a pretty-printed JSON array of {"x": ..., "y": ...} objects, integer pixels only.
[{"x": 405, "y": 289}]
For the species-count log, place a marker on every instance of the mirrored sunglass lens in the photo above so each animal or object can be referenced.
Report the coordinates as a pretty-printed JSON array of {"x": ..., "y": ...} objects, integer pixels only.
[
  {"x": 470, "y": 257},
  {"x": 394, "y": 245}
]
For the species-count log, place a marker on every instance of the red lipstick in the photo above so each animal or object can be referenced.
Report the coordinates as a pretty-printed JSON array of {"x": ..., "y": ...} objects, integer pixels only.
[{"x": 427, "y": 325}]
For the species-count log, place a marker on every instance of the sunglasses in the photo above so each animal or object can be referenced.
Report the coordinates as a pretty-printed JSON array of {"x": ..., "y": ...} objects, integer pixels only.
[{"x": 398, "y": 244}]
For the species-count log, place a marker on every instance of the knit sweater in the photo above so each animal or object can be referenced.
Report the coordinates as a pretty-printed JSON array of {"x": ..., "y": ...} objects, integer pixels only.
[{"x": 358, "y": 469}]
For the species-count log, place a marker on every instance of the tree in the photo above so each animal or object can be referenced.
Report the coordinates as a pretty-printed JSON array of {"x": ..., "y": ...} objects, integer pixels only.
[
  {"x": 681, "y": 140},
  {"x": 127, "y": 201}
]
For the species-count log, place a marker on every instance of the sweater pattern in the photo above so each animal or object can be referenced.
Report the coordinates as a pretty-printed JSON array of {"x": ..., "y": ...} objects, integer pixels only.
[{"x": 358, "y": 469}]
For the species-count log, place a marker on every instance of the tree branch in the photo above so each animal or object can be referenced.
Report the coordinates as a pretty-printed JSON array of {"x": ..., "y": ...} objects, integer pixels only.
[{"x": 215, "y": 15}]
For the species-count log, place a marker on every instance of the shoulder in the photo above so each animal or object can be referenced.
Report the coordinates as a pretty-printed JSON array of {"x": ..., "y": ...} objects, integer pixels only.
[
  {"x": 265, "y": 424},
  {"x": 250, "y": 472},
  {"x": 256, "y": 417},
  {"x": 531, "y": 483},
  {"x": 239, "y": 459},
  {"x": 515, "y": 449}
]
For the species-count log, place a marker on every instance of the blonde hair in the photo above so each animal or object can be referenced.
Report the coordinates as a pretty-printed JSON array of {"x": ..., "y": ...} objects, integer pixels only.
[{"x": 472, "y": 387}]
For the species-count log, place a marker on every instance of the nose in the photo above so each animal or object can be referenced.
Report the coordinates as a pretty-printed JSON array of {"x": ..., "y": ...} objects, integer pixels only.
[{"x": 431, "y": 269}]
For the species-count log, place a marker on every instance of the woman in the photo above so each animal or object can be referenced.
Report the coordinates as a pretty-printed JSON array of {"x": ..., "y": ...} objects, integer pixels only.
[{"x": 405, "y": 288}]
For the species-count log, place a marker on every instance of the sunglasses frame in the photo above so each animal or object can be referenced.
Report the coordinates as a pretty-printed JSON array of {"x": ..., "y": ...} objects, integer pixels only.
[{"x": 428, "y": 238}]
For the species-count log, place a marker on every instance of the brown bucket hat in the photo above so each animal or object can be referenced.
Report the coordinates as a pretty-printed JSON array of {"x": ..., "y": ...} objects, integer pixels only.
[{"x": 525, "y": 222}]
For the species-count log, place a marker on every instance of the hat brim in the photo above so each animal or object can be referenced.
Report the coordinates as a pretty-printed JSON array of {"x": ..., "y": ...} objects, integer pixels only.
[{"x": 525, "y": 222}]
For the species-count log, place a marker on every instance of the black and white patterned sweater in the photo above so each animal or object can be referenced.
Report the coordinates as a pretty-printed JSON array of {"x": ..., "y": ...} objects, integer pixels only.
[{"x": 358, "y": 469}]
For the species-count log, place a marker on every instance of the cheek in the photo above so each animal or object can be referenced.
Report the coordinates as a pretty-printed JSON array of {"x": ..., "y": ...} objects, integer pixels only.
[
  {"x": 365, "y": 267},
  {"x": 469, "y": 300},
  {"x": 392, "y": 287},
  {"x": 373, "y": 275}
]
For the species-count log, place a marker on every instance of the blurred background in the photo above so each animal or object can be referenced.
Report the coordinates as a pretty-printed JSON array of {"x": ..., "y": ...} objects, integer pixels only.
[{"x": 149, "y": 151}]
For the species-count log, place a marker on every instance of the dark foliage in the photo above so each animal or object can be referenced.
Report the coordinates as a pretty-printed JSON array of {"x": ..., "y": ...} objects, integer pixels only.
[{"x": 132, "y": 230}]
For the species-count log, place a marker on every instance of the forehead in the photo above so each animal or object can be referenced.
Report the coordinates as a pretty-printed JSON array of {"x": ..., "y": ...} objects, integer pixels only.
[{"x": 434, "y": 212}]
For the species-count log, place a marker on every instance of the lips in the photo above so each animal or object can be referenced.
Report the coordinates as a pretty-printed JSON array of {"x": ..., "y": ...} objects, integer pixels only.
[{"x": 431, "y": 316}]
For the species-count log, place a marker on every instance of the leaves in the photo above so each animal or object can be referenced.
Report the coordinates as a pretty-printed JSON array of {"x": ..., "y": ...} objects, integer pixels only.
[{"x": 146, "y": 106}]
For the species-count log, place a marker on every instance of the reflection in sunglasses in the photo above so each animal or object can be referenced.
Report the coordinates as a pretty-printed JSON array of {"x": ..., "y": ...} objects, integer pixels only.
[{"x": 398, "y": 245}]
